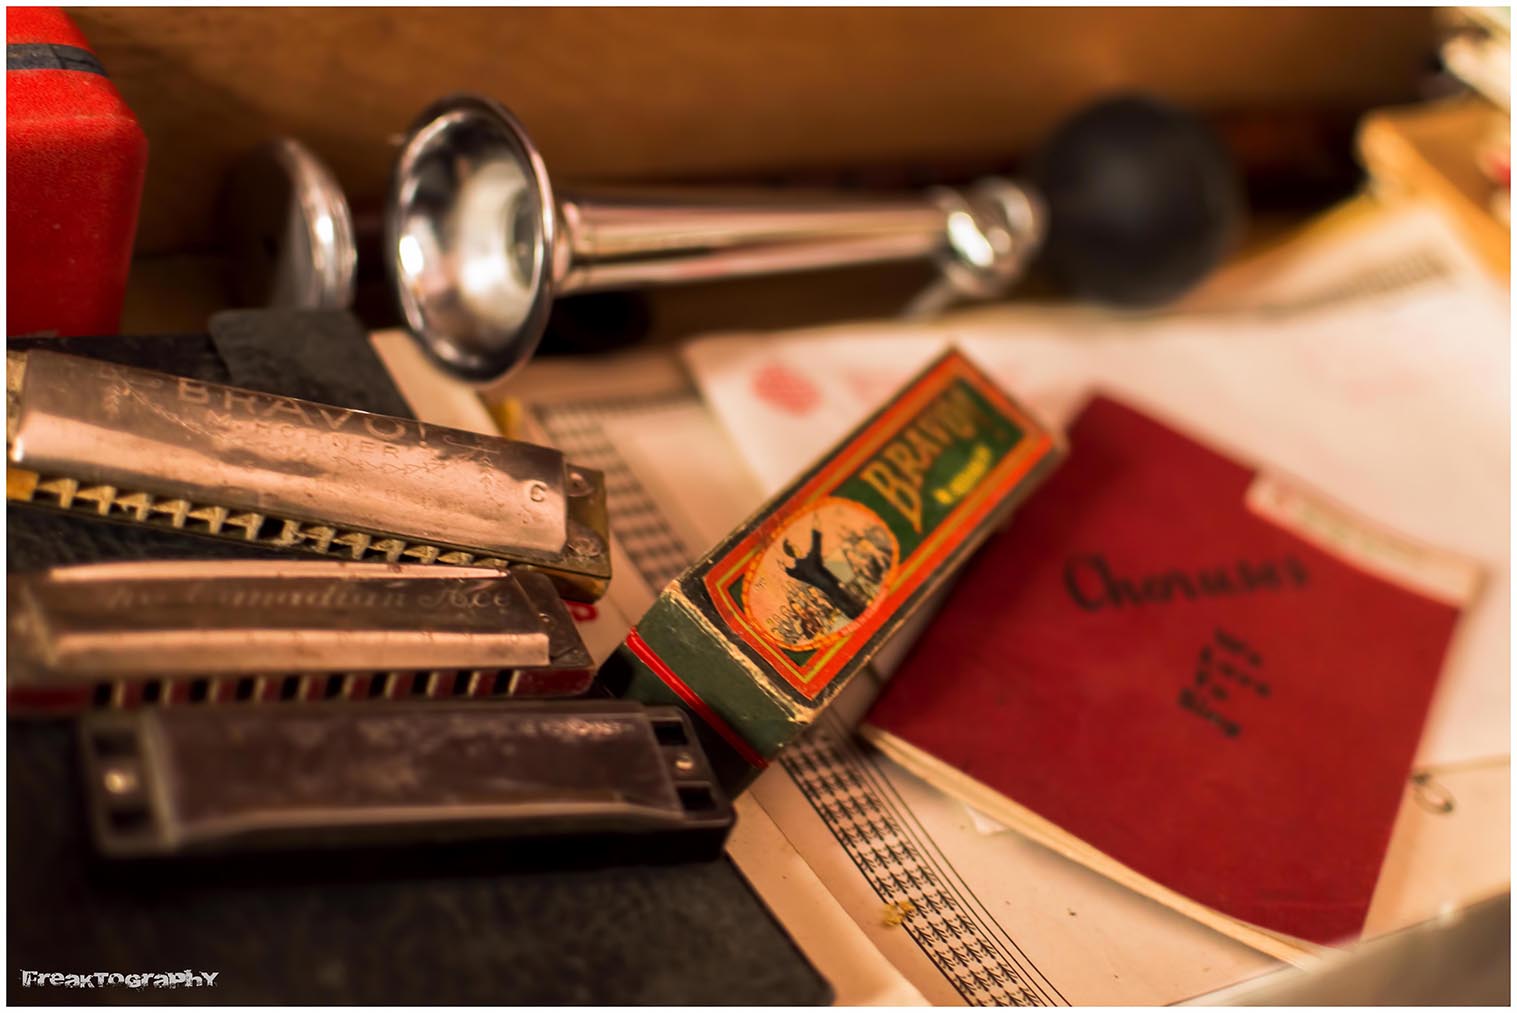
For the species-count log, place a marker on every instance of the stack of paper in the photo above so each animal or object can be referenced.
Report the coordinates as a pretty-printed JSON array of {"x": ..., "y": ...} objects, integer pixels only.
[{"x": 1369, "y": 363}]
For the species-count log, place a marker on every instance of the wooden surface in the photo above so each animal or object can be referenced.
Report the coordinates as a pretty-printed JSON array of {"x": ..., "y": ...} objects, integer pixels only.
[
  {"x": 1430, "y": 150},
  {"x": 700, "y": 93}
]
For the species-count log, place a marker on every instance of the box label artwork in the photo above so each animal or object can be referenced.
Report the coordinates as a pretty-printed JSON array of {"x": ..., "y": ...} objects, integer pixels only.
[
  {"x": 806, "y": 589},
  {"x": 761, "y": 633}
]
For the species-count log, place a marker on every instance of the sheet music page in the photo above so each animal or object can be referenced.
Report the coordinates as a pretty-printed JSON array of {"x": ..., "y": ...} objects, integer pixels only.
[
  {"x": 897, "y": 893},
  {"x": 579, "y": 407},
  {"x": 1384, "y": 397},
  {"x": 882, "y": 880}
]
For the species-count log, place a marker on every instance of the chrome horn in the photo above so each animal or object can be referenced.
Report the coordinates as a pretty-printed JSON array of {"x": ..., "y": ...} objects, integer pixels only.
[
  {"x": 1131, "y": 202},
  {"x": 478, "y": 244}
]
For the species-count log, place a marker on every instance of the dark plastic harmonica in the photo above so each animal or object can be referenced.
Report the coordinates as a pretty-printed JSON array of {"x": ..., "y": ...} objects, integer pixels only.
[
  {"x": 150, "y": 448},
  {"x": 213, "y": 632},
  {"x": 178, "y": 782}
]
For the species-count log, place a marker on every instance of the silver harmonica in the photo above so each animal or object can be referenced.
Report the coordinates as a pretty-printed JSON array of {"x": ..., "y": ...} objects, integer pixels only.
[
  {"x": 248, "y": 779},
  {"x": 140, "y": 446},
  {"x": 116, "y": 635}
]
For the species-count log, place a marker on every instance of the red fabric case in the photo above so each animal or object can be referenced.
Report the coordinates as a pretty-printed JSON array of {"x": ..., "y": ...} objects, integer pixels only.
[
  {"x": 1070, "y": 700},
  {"x": 75, "y": 159}
]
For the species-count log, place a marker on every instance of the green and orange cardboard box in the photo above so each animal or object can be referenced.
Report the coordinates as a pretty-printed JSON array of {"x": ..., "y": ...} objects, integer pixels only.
[{"x": 761, "y": 633}]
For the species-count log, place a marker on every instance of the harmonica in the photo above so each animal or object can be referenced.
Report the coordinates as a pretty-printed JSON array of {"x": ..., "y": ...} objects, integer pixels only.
[
  {"x": 235, "y": 780},
  {"x": 125, "y": 635},
  {"x": 145, "y": 447}
]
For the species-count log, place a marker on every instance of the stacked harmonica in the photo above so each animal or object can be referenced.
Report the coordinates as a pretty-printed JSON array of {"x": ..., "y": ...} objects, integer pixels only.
[
  {"x": 149, "y": 448},
  {"x": 113, "y": 635},
  {"x": 446, "y": 558}
]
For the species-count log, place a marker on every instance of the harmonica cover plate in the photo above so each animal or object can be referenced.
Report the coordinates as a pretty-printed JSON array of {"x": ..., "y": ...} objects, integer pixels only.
[
  {"x": 137, "y": 429},
  {"x": 227, "y": 618},
  {"x": 235, "y": 779}
]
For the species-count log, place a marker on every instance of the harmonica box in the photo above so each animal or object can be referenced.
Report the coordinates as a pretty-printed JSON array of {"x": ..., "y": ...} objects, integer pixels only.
[{"x": 761, "y": 633}]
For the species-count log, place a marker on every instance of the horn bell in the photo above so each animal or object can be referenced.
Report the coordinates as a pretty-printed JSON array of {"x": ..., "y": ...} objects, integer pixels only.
[{"x": 470, "y": 227}]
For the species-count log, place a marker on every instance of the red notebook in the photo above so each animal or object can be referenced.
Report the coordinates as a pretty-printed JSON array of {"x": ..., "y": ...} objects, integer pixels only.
[{"x": 1152, "y": 672}]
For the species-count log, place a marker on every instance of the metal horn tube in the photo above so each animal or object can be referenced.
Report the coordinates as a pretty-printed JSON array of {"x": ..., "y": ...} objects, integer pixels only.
[
  {"x": 478, "y": 244},
  {"x": 685, "y": 235}
]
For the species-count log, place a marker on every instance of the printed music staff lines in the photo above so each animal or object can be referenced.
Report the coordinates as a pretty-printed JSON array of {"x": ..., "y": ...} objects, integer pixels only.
[{"x": 971, "y": 954}]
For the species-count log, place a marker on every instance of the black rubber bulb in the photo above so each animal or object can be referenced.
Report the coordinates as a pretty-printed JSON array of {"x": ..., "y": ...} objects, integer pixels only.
[{"x": 1142, "y": 202}]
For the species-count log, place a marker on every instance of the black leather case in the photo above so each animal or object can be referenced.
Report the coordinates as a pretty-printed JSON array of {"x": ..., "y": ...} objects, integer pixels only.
[{"x": 674, "y": 934}]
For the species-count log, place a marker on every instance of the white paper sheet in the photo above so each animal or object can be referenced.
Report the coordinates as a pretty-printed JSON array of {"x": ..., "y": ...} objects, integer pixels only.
[
  {"x": 1395, "y": 405},
  {"x": 991, "y": 920},
  {"x": 834, "y": 832}
]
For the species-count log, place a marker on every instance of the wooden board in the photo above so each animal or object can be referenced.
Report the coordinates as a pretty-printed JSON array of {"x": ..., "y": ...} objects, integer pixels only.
[{"x": 694, "y": 93}]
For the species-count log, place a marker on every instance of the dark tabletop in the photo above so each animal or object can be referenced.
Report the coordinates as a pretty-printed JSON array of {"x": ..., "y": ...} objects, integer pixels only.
[{"x": 690, "y": 933}]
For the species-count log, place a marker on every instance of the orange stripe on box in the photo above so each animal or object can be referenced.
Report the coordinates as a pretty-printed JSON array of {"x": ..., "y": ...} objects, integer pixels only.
[{"x": 640, "y": 649}]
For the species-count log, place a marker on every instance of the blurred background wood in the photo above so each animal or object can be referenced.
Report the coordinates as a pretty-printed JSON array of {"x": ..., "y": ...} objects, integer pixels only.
[
  {"x": 1425, "y": 150},
  {"x": 708, "y": 93}
]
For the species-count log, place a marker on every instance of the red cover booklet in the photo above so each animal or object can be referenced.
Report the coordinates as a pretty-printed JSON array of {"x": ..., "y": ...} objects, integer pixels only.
[{"x": 1168, "y": 667}]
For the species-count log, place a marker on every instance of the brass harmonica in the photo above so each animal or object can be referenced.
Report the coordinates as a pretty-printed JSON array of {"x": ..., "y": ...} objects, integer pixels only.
[
  {"x": 150, "y": 448},
  {"x": 616, "y": 777},
  {"x": 116, "y": 635}
]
